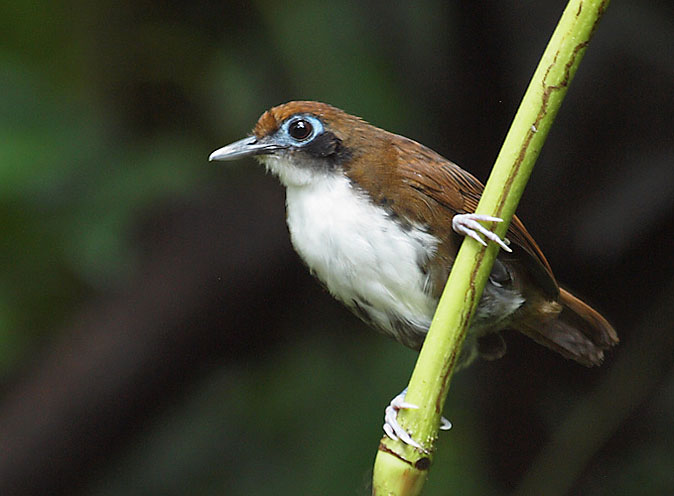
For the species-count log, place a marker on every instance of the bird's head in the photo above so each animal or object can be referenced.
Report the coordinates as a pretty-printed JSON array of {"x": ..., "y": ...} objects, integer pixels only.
[{"x": 299, "y": 141}]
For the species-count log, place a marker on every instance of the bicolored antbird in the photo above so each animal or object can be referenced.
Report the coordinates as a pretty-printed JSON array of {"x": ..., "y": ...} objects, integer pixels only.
[{"x": 379, "y": 218}]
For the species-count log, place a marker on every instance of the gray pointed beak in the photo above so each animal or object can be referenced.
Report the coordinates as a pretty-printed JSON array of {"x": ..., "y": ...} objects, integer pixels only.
[{"x": 246, "y": 147}]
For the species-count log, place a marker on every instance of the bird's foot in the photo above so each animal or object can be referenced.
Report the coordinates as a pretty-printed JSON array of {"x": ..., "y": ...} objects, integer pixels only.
[
  {"x": 468, "y": 225},
  {"x": 394, "y": 430}
]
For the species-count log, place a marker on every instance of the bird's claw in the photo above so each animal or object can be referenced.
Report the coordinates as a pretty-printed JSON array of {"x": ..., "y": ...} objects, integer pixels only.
[
  {"x": 468, "y": 225},
  {"x": 394, "y": 430},
  {"x": 391, "y": 426},
  {"x": 445, "y": 424}
]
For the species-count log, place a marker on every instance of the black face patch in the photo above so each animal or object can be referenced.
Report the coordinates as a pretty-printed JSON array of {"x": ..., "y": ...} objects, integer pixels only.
[{"x": 327, "y": 146}]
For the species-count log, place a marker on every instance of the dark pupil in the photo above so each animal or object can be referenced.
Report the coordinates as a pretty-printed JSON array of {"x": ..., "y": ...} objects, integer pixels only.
[{"x": 300, "y": 130}]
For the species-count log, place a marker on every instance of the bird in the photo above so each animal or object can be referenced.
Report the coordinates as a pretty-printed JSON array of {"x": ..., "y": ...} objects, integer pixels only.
[{"x": 378, "y": 218}]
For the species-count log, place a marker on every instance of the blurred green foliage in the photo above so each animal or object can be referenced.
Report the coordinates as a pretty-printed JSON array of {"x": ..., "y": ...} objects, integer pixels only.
[
  {"x": 70, "y": 193},
  {"x": 108, "y": 111}
]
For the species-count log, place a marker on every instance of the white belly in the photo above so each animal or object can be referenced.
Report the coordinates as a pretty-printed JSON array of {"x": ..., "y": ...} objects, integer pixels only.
[{"x": 366, "y": 259}]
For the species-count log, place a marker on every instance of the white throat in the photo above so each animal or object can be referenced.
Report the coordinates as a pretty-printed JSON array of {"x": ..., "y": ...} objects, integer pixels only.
[{"x": 365, "y": 258}]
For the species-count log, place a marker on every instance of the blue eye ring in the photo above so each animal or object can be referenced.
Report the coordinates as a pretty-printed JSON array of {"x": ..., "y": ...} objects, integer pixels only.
[{"x": 300, "y": 129}]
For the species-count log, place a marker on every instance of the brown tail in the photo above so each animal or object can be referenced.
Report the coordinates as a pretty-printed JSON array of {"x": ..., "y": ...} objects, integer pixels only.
[{"x": 579, "y": 332}]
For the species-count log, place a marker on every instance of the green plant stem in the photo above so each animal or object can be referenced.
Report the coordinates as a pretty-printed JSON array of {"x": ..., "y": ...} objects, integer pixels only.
[{"x": 401, "y": 469}]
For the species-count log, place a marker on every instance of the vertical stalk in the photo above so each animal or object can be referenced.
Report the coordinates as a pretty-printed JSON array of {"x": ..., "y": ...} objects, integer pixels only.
[{"x": 401, "y": 469}]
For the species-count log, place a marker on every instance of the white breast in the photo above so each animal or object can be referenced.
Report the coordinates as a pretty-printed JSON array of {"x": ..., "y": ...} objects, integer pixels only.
[{"x": 366, "y": 259}]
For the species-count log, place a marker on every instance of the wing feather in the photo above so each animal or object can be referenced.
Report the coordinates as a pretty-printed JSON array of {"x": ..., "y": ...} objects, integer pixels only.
[{"x": 432, "y": 176}]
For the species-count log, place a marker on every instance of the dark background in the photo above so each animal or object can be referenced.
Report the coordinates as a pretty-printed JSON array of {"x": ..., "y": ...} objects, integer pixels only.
[{"x": 158, "y": 335}]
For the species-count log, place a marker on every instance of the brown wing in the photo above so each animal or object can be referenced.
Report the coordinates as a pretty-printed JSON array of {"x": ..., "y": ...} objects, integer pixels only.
[{"x": 434, "y": 177}]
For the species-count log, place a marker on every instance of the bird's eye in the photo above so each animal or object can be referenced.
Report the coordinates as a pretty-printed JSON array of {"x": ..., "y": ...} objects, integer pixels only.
[{"x": 300, "y": 129}]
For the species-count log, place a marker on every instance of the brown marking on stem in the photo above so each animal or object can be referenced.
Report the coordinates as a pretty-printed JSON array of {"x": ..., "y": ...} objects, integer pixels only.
[
  {"x": 564, "y": 83},
  {"x": 469, "y": 302},
  {"x": 601, "y": 10},
  {"x": 386, "y": 449}
]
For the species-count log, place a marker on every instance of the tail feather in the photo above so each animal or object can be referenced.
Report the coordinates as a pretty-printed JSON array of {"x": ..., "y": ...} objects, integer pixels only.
[{"x": 579, "y": 332}]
